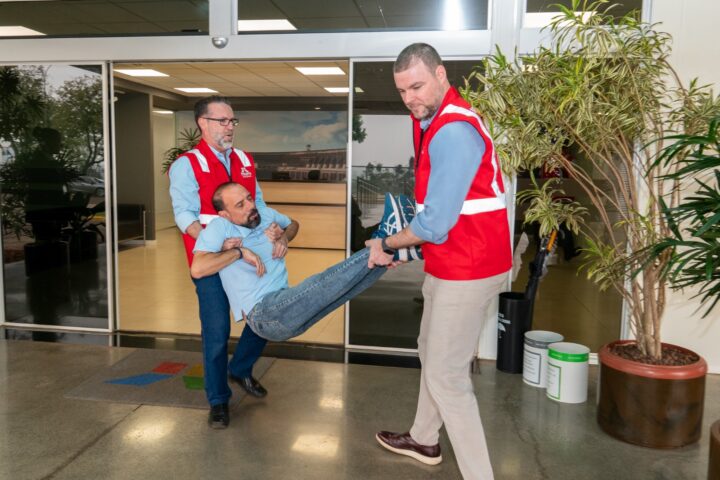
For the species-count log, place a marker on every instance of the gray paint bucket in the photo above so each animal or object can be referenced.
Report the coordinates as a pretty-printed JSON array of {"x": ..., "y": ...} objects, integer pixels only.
[{"x": 535, "y": 352}]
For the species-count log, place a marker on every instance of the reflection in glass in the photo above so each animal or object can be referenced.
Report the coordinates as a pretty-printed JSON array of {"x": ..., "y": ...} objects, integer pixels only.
[
  {"x": 388, "y": 313},
  {"x": 84, "y": 18},
  {"x": 345, "y": 15},
  {"x": 52, "y": 187}
]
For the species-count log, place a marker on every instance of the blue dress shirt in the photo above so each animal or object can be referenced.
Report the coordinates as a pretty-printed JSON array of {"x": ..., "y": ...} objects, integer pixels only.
[{"x": 456, "y": 151}]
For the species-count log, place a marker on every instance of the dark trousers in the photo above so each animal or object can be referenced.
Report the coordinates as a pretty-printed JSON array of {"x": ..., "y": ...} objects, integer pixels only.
[{"x": 215, "y": 322}]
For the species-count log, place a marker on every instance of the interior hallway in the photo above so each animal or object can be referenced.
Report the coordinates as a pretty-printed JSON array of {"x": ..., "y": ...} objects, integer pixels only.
[{"x": 317, "y": 422}]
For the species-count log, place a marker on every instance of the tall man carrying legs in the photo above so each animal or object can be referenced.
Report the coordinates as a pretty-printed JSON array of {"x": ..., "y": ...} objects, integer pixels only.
[
  {"x": 194, "y": 176},
  {"x": 463, "y": 228}
]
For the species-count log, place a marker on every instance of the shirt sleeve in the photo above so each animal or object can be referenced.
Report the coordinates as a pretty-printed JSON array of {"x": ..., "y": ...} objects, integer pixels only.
[
  {"x": 212, "y": 236},
  {"x": 455, "y": 151},
  {"x": 184, "y": 193},
  {"x": 274, "y": 216},
  {"x": 259, "y": 199}
]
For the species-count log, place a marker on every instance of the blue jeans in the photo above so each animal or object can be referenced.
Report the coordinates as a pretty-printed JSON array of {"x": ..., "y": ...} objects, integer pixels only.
[
  {"x": 289, "y": 312},
  {"x": 215, "y": 321}
]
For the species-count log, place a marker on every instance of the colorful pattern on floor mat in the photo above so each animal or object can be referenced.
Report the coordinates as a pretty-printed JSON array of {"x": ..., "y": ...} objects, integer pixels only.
[{"x": 193, "y": 379}]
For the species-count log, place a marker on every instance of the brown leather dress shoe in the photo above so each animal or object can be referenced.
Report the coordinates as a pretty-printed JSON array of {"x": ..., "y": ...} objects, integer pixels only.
[{"x": 403, "y": 444}]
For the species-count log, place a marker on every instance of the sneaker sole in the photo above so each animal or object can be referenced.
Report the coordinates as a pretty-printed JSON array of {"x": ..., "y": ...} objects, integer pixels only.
[{"x": 420, "y": 458}]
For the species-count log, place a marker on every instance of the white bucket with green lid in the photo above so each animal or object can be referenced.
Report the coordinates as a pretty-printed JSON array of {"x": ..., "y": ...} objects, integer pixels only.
[
  {"x": 535, "y": 352},
  {"x": 567, "y": 378}
]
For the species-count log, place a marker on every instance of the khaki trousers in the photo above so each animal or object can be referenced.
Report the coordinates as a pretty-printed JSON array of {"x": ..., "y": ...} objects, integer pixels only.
[{"x": 452, "y": 320}]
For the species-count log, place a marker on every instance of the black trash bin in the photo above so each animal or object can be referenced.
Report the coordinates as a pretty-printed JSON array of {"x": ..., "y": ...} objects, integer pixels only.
[{"x": 514, "y": 319}]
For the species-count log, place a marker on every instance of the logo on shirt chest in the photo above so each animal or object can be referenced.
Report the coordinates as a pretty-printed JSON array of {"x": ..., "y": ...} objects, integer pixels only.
[{"x": 245, "y": 172}]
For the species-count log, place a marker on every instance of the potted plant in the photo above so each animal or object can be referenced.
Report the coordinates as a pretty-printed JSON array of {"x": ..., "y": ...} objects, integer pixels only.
[
  {"x": 187, "y": 139},
  {"x": 603, "y": 88}
]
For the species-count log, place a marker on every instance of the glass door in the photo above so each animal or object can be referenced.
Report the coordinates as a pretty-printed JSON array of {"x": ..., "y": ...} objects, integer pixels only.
[
  {"x": 387, "y": 315},
  {"x": 53, "y": 167}
]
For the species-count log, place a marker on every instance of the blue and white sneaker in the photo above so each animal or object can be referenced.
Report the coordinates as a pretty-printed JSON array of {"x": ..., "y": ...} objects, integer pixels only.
[
  {"x": 399, "y": 212},
  {"x": 392, "y": 219}
]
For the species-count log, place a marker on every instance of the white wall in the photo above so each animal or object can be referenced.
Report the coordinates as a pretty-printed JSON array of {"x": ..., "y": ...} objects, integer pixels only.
[
  {"x": 163, "y": 127},
  {"x": 696, "y": 50}
]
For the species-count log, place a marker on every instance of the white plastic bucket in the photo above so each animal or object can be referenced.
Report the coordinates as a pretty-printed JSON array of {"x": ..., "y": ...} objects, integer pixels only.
[
  {"x": 567, "y": 372},
  {"x": 535, "y": 350}
]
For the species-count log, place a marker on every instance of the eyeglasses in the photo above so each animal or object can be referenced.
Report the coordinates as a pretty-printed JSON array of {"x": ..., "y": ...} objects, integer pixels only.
[{"x": 224, "y": 121}]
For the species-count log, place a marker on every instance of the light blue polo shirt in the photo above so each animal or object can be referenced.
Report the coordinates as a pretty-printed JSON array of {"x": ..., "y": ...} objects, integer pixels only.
[{"x": 239, "y": 279}]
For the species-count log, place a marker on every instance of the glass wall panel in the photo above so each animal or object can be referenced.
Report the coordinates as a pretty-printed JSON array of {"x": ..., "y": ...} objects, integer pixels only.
[
  {"x": 539, "y": 13},
  {"x": 349, "y": 15},
  {"x": 81, "y": 18},
  {"x": 52, "y": 183},
  {"x": 388, "y": 313}
]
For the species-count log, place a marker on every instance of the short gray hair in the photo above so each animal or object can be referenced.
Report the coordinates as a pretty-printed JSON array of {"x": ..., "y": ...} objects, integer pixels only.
[{"x": 417, "y": 51}]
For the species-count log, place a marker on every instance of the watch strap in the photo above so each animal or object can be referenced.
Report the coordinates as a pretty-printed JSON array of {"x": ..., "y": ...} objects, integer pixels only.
[{"x": 386, "y": 248}]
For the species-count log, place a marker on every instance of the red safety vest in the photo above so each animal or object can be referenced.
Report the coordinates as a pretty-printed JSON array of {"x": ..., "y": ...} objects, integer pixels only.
[
  {"x": 478, "y": 246},
  {"x": 211, "y": 173}
]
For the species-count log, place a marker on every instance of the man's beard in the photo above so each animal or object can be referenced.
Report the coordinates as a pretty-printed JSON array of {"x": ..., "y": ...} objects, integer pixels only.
[
  {"x": 223, "y": 142},
  {"x": 253, "y": 219}
]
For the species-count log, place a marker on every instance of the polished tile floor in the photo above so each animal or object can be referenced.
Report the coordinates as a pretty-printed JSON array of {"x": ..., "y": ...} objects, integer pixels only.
[{"x": 317, "y": 422}]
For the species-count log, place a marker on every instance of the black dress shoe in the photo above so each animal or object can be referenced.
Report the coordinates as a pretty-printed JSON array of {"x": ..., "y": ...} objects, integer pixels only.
[
  {"x": 219, "y": 416},
  {"x": 250, "y": 385}
]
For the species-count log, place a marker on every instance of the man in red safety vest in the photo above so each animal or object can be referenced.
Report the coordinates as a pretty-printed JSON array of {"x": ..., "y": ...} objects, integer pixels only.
[
  {"x": 194, "y": 176},
  {"x": 462, "y": 226}
]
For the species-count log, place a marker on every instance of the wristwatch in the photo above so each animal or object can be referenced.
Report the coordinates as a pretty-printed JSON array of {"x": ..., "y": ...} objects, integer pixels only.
[
  {"x": 240, "y": 252},
  {"x": 386, "y": 248}
]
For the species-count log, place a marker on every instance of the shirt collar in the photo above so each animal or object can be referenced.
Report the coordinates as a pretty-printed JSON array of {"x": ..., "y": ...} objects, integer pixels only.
[{"x": 424, "y": 124}]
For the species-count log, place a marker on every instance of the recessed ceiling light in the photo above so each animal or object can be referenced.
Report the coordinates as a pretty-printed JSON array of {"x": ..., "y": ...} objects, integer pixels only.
[
  {"x": 337, "y": 89},
  {"x": 196, "y": 90},
  {"x": 18, "y": 31},
  {"x": 140, "y": 72},
  {"x": 163, "y": 112},
  {"x": 317, "y": 108},
  {"x": 264, "y": 25},
  {"x": 320, "y": 70},
  {"x": 359, "y": 90}
]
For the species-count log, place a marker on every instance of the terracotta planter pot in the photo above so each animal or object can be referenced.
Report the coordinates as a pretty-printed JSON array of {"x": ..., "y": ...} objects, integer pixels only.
[
  {"x": 714, "y": 464},
  {"x": 650, "y": 405}
]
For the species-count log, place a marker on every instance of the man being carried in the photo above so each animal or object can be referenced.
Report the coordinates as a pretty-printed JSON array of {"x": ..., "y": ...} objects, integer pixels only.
[{"x": 255, "y": 279}]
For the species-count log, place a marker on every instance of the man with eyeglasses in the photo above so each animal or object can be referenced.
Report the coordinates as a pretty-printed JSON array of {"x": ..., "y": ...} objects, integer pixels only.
[{"x": 194, "y": 176}]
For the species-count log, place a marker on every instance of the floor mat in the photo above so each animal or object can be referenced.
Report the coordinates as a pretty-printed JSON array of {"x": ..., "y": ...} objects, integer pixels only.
[{"x": 157, "y": 377}]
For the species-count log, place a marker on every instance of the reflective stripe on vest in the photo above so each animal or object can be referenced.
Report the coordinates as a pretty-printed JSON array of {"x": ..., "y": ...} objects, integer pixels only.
[
  {"x": 478, "y": 205},
  {"x": 201, "y": 160},
  {"x": 493, "y": 160},
  {"x": 205, "y": 218},
  {"x": 243, "y": 158}
]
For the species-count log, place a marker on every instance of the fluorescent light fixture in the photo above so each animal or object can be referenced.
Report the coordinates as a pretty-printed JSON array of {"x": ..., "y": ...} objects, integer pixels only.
[
  {"x": 19, "y": 31},
  {"x": 543, "y": 19},
  {"x": 196, "y": 90},
  {"x": 452, "y": 16},
  {"x": 359, "y": 90},
  {"x": 338, "y": 89},
  {"x": 140, "y": 72},
  {"x": 320, "y": 70},
  {"x": 163, "y": 112},
  {"x": 264, "y": 25}
]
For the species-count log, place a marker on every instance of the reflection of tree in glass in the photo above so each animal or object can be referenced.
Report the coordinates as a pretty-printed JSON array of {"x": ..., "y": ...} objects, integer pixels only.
[
  {"x": 77, "y": 114},
  {"x": 397, "y": 179},
  {"x": 51, "y": 139}
]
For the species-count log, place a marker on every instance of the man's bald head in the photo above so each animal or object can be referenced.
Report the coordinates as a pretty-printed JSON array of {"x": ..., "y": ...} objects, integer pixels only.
[
  {"x": 218, "y": 202},
  {"x": 233, "y": 202}
]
